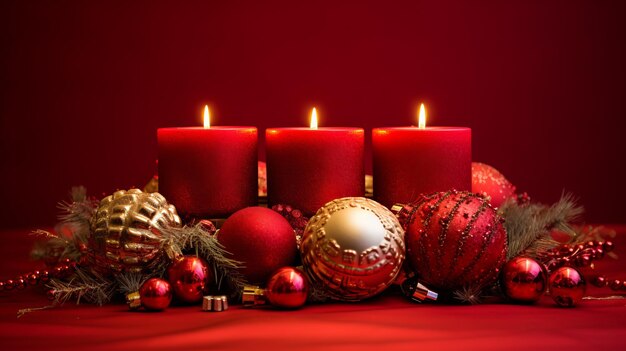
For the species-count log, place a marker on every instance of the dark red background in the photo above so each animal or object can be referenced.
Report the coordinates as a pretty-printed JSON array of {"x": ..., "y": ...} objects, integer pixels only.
[{"x": 84, "y": 85}]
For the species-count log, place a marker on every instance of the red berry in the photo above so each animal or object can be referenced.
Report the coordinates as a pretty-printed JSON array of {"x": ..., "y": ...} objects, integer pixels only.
[
  {"x": 615, "y": 284},
  {"x": 599, "y": 281}
]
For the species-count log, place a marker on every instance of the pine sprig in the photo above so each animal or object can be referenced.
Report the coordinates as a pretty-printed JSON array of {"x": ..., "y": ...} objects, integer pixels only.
[
  {"x": 472, "y": 294},
  {"x": 79, "y": 211},
  {"x": 76, "y": 216},
  {"x": 70, "y": 247},
  {"x": 317, "y": 294},
  {"x": 529, "y": 225},
  {"x": 176, "y": 240},
  {"x": 89, "y": 286},
  {"x": 130, "y": 282}
]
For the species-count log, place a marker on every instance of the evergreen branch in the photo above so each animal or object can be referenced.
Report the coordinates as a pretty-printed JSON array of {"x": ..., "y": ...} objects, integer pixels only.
[
  {"x": 176, "y": 240},
  {"x": 40, "y": 248},
  {"x": 24, "y": 311},
  {"x": 68, "y": 247},
  {"x": 80, "y": 210},
  {"x": 44, "y": 233},
  {"x": 89, "y": 286},
  {"x": 317, "y": 294},
  {"x": 528, "y": 226},
  {"x": 130, "y": 282},
  {"x": 75, "y": 215},
  {"x": 472, "y": 294}
]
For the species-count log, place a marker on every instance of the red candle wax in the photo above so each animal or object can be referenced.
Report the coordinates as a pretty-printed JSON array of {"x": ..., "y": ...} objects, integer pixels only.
[
  {"x": 208, "y": 172},
  {"x": 306, "y": 167},
  {"x": 409, "y": 161}
]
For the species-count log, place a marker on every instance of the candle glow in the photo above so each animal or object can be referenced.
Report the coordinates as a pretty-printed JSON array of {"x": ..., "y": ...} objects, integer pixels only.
[
  {"x": 314, "y": 119},
  {"x": 207, "y": 117},
  {"x": 421, "y": 122}
]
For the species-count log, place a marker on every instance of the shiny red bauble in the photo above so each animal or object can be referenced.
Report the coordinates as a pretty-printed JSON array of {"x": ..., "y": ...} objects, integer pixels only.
[
  {"x": 261, "y": 239},
  {"x": 155, "y": 294},
  {"x": 524, "y": 280},
  {"x": 567, "y": 286},
  {"x": 287, "y": 288},
  {"x": 490, "y": 183},
  {"x": 454, "y": 240},
  {"x": 189, "y": 277}
]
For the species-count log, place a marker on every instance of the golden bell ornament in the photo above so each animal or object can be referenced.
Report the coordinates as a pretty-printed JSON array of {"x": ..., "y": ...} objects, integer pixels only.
[
  {"x": 126, "y": 230},
  {"x": 353, "y": 248}
]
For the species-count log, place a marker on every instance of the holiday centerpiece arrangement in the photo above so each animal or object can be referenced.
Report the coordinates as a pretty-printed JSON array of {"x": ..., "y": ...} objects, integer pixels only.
[{"x": 437, "y": 226}]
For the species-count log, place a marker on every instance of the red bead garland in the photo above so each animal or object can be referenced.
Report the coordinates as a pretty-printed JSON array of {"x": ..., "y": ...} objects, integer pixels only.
[
  {"x": 600, "y": 281},
  {"x": 61, "y": 270},
  {"x": 581, "y": 255}
]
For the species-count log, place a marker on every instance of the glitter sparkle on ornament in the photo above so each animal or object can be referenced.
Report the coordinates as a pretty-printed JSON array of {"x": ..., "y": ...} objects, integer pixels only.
[{"x": 490, "y": 183}]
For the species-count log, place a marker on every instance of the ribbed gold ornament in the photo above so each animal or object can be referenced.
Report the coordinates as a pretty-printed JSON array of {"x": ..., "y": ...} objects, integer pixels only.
[
  {"x": 353, "y": 248},
  {"x": 126, "y": 230}
]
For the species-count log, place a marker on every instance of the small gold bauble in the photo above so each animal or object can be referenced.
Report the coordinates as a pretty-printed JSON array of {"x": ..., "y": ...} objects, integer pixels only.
[
  {"x": 353, "y": 248},
  {"x": 126, "y": 230}
]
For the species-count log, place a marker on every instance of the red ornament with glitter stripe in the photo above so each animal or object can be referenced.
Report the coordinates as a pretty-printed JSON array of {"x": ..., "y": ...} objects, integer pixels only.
[{"x": 454, "y": 240}]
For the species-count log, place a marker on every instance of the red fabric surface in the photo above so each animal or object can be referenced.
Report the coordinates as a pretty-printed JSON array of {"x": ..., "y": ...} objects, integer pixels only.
[{"x": 387, "y": 322}]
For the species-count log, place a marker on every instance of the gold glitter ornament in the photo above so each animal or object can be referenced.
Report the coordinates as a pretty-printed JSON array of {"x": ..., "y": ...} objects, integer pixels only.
[
  {"x": 126, "y": 230},
  {"x": 353, "y": 248}
]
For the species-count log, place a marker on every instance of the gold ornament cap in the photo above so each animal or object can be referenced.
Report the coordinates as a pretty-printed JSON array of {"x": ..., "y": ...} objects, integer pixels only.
[
  {"x": 133, "y": 300},
  {"x": 253, "y": 296},
  {"x": 403, "y": 212}
]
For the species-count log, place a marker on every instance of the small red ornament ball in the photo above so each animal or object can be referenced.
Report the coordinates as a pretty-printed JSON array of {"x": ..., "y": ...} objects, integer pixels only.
[
  {"x": 155, "y": 294},
  {"x": 490, "y": 183},
  {"x": 567, "y": 286},
  {"x": 189, "y": 277},
  {"x": 454, "y": 240},
  {"x": 261, "y": 239},
  {"x": 287, "y": 288},
  {"x": 524, "y": 280}
]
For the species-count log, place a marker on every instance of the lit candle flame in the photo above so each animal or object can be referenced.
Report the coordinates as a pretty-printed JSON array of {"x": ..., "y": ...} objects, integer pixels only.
[
  {"x": 314, "y": 119},
  {"x": 207, "y": 117},
  {"x": 421, "y": 123}
]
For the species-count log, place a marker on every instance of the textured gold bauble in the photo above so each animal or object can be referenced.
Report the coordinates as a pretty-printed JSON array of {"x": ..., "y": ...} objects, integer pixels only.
[
  {"x": 126, "y": 230},
  {"x": 352, "y": 248}
]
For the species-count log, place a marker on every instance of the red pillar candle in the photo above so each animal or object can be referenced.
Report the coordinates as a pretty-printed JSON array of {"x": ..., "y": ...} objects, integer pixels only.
[
  {"x": 307, "y": 167},
  {"x": 409, "y": 161},
  {"x": 208, "y": 172}
]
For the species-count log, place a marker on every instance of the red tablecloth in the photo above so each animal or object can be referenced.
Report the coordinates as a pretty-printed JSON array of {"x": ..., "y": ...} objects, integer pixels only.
[{"x": 388, "y": 322}]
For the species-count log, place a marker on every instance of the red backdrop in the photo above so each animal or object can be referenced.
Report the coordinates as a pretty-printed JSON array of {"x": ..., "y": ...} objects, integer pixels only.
[{"x": 84, "y": 85}]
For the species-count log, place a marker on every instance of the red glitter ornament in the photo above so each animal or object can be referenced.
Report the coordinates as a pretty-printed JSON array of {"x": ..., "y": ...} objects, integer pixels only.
[
  {"x": 490, "y": 183},
  {"x": 287, "y": 288},
  {"x": 567, "y": 286},
  {"x": 189, "y": 277},
  {"x": 261, "y": 239},
  {"x": 155, "y": 294},
  {"x": 524, "y": 279},
  {"x": 454, "y": 240}
]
